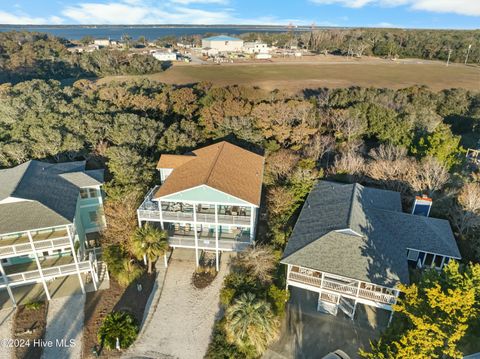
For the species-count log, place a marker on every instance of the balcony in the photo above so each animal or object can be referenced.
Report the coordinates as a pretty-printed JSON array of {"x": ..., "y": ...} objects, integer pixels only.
[
  {"x": 348, "y": 287},
  {"x": 52, "y": 268},
  {"x": 237, "y": 241},
  {"x": 43, "y": 241},
  {"x": 183, "y": 212}
]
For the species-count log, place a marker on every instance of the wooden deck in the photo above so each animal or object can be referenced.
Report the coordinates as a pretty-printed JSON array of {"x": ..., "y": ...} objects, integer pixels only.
[{"x": 352, "y": 289}]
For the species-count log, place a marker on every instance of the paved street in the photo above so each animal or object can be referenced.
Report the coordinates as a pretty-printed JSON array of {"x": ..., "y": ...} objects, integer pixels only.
[
  {"x": 307, "y": 333},
  {"x": 6, "y": 316}
]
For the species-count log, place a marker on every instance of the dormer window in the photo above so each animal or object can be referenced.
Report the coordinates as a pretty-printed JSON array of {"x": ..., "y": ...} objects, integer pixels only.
[{"x": 88, "y": 193}]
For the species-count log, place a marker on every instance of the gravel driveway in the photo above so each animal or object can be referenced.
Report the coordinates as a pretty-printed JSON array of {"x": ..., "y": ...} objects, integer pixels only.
[
  {"x": 183, "y": 320},
  {"x": 65, "y": 321}
]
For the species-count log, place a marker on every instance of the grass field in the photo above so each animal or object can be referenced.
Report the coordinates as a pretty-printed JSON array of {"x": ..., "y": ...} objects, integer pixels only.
[{"x": 297, "y": 76}]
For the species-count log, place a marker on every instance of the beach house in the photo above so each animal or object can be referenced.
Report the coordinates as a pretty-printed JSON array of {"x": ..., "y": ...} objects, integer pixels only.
[
  {"x": 353, "y": 245},
  {"x": 49, "y": 215},
  {"x": 207, "y": 200}
]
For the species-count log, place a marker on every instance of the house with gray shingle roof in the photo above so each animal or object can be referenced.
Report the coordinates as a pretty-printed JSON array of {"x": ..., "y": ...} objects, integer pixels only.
[
  {"x": 47, "y": 213},
  {"x": 353, "y": 244}
]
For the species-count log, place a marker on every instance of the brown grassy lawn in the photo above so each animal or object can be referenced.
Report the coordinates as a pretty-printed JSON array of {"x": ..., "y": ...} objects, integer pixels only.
[{"x": 298, "y": 76}]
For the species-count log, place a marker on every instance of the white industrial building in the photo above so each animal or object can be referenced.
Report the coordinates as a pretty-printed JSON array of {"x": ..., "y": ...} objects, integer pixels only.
[{"x": 223, "y": 43}]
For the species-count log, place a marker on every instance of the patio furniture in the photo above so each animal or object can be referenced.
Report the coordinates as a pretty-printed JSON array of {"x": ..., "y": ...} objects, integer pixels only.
[{"x": 177, "y": 226}]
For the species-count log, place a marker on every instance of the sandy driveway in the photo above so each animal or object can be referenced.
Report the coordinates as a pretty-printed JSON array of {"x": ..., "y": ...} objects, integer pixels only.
[
  {"x": 65, "y": 322},
  {"x": 183, "y": 321}
]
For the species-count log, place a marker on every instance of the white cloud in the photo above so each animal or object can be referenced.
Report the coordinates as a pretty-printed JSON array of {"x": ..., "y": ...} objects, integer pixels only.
[
  {"x": 461, "y": 7},
  {"x": 174, "y": 12},
  {"x": 23, "y": 19},
  {"x": 188, "y": 2}
]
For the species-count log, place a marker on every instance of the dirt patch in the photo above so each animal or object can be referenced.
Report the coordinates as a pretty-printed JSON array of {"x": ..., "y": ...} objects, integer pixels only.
[
  {"x": 203, "y": 278},
  {"x": 99, "y": 304},
  {"x": 28, "y": 325}
]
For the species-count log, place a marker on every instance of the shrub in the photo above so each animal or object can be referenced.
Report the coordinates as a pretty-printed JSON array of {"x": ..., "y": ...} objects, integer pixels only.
[
  {"x": 114, "y": 255},
  {"x": 219, "y": 346},
  {"x": 130, "y": 272},
  {"x": 34, "y": 305},
  {"x": 121, "y": 325},
  {"x": 278, "y": 298}
]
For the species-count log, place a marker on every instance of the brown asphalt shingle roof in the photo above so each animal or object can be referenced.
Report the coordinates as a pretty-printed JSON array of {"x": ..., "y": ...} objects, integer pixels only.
[
  {"x": 223, "y": 166},
  {"x": 173, "y": 161}
]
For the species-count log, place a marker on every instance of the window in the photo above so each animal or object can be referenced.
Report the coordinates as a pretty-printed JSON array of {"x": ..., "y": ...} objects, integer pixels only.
[
  {"x": 88, "y": 193},
  {"x": 438, "y": 261},
  {"x": 428, "y": 259},
  {"x": 83, "y": 192},
  {"x": 412, "y": 255},
  {"x": 93, "y": 216},
  {"x": 45, "y": 254}
]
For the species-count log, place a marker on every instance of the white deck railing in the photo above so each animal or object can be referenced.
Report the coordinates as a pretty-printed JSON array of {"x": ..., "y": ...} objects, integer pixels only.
[
  {"x": 40, "y": 245},
  {"x": 179, "y": 216},
  {"x": 349, "y": 289},
  {"x": 208, "y": 243},
  {"x": 48, "y": 273}
]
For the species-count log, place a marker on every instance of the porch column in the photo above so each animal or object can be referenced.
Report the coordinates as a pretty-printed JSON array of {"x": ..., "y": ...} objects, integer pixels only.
[
  {"x": 40, "y": 271},
  {"x": 138, "y": 218},
  {"x": 161, "y": 214},
  {"x": 289, "y": 268},
  {"x": 252, "y": 224},
  {"x": 5, "y": 280},
  {"x": 217, "y": 266},
  {"x": 75, "y": 259},
  {"x": 195, "y": 233}
]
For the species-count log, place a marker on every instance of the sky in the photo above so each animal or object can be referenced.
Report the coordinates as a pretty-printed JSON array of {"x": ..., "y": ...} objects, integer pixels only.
[{"x": 452, "y": 14}]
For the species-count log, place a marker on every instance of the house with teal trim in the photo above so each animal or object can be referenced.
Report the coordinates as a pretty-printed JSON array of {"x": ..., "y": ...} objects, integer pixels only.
[
  {"x": 48, "y": 215},
  {"x": 207, "y": 200}
]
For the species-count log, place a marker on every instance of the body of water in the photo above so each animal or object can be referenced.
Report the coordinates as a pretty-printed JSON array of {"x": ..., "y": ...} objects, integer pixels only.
[{"x": 150, "y": 32}]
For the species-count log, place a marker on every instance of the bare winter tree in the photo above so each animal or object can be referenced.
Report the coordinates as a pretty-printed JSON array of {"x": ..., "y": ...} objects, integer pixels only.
[
  {"x": 349, "y": 162},
  {"x": 345, "y": 126},
  {"x": 466, "y": 215},
  {"x": 319, "y": 145},
  {"x": 259, "y": 261},
  {"x": 280, "y": 164},
  {"x": 431, "y": 176},
  {"x": 392, "y": 167}
]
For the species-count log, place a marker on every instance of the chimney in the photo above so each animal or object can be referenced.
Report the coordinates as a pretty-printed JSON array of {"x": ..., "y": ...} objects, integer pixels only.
[{"x": 422, "y": 205}]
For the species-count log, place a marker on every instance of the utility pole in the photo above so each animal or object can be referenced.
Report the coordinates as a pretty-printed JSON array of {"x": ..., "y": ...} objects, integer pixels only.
[
  {"x": 449, "y": 53},
  {"x": 468, "y": 53}
]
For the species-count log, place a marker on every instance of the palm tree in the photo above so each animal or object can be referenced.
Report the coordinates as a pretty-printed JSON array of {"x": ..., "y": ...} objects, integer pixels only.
[
  {"x": 150, "y": 243},
  {"x": 121, "y": 325},
  {"x": 250, "y": 323}
]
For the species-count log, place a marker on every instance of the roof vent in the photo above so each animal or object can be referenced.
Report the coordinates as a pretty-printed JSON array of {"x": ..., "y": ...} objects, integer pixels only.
[{"x": 422, "y": 205}]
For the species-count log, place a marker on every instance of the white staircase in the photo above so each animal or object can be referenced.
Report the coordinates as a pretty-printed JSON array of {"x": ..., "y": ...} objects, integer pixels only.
[{"x": 347, "y": 307}]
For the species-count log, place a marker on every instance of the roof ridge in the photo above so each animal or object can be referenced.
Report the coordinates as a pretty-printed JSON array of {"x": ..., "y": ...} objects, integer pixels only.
[
  {"x": 214, "y": 162},
  {"x": 350, "y": 209}
]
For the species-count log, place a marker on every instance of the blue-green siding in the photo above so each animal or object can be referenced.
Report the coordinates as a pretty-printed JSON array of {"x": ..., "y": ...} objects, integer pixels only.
[{"x": 205, "y": 194}]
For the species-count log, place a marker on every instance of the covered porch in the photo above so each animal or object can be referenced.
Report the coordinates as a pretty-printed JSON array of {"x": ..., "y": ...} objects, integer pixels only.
[
  {"x": 337, "y": 286},
  {"x": 184, "y": 236}
]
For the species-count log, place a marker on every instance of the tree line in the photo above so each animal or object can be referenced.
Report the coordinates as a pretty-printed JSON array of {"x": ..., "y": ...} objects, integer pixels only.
[
  {"x": 30, "y": 55},
  {"x": 391, "y": 43}
]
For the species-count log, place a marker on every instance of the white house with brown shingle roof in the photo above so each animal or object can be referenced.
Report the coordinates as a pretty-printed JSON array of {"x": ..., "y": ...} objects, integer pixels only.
[{"x": 208, "y": 199}]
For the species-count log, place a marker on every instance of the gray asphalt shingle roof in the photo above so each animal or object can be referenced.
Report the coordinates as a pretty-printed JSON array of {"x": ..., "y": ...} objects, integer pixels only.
[
  {"x": 374, "y": 249},
  {"x": 47, "y": 192}
]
